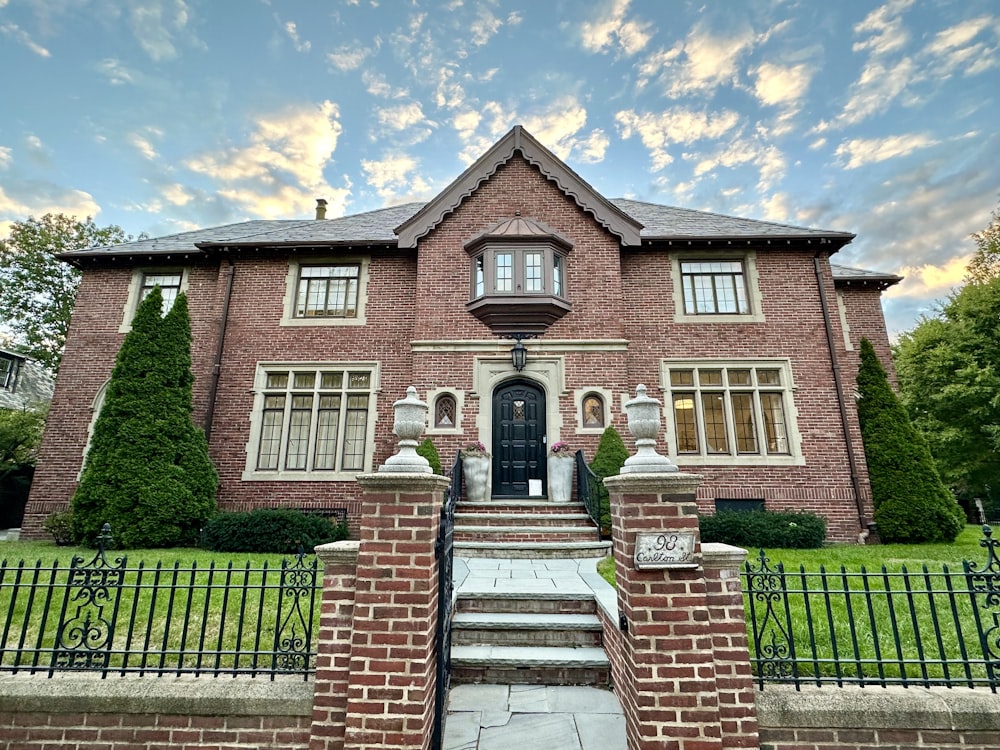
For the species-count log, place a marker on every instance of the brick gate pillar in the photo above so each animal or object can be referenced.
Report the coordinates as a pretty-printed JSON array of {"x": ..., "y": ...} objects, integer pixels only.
[
  {"x": 670, "y": 603},
  {"x": 390, "y": 695},
  {"x": 333, "y": 660}
]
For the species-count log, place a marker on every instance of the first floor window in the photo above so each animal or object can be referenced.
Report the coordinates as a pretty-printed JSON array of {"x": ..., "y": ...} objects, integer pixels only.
[
  {"x": 445, "y": 411},
  {"x": 314, "y": 420},
  {"x": 730, "y": 409},
  {"x": 328, "y": 291},
  {"x": 593, "y": 411}
]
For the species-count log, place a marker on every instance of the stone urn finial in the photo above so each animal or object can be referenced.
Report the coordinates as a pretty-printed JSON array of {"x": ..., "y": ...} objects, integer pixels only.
[
  {"x": 410, "y": 420},
  {"x": 644, "y": 424}
]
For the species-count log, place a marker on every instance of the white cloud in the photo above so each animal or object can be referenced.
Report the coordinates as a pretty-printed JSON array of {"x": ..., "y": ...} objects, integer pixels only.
[
  {"x": 155, "y": 23},
  {"x": 782, "y": 84},
  {"x": 766, "y": 158},
  {"x": 884, "y": 27},
  {"x": 177, "y": 194},
  {"x": 17, "y": 202},
  {"x": 5, "y": 156},
  {"x": 350, "y": 57},
  {"x": 929, "y": 280},
  {"x": 857, "y": 152},
  {"x": 610, "y": 28},
  {"x": 401, "y": 117},
  {"x": 281, "y": 170},
  {"x": 292, "y": 31},
  {"x": 378, "y": 85},
  {"x": 396, "y": 178},
  {"x": 143, "y": 145},
  {"x": 20, "y": 36},
  {"x": 115, "y": 71},
  {"x": 484, "y": 27},
  {"x": 674, "y": 126}
]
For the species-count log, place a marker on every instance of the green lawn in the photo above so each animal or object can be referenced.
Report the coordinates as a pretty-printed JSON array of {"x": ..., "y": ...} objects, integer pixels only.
[
  {"x": 166, "y": 611},
  {"x": 900, "y": 613}
]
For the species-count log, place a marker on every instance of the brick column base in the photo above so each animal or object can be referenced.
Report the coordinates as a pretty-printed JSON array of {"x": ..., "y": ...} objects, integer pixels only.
[
  {"x": 333, "y": 662},
  {"x": 671, "y": 696},
  {"x": 391, "y": 690}
]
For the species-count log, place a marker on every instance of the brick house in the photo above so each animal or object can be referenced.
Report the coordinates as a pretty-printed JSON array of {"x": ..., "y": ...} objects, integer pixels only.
[{"x": 306, "y": 332}]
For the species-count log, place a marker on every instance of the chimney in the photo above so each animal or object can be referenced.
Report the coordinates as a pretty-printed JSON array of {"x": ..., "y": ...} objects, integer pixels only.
[{"x": 320, "y": 208}]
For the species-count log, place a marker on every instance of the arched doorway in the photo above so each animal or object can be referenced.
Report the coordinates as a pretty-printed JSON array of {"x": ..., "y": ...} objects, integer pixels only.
[{"x": 518, "y": 438}]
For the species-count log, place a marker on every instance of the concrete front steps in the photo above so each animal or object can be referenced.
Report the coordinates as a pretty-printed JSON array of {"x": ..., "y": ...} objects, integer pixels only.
[
  {"x": 538, "y": 639},
  {"x": 526, "y": 529}
]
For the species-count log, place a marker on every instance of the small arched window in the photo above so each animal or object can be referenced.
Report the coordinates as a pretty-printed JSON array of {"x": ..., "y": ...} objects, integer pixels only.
[
  {"x": 444, "y": 411},
  {"x": 593, "y": 411}
]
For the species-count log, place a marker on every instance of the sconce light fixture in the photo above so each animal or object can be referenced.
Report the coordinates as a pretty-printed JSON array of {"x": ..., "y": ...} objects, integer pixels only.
[{"x": 519, "y": 353}]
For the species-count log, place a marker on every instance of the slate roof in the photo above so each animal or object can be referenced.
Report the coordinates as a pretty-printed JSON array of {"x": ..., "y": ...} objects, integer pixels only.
[
  {"x": 849, "y": 275},
  {"x": 376, "y": 227},
  {"x": 668, "y": 222},
  {"x": 33, "y": 385}
]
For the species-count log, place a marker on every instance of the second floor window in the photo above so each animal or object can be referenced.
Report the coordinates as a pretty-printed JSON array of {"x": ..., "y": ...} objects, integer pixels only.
[
  {"x": 169, "y": 283},
  {"x": 517, "y": 271},
  {"x": 714, "y": 288},
  {"x": 327, "y": 291}
]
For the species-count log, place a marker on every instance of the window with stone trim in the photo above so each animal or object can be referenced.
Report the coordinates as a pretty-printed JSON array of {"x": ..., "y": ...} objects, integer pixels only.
[
  {"x": 172, "y": 281},
  {"x": 592, "y": 411},
  {"x": 327, "y": 291},
  {"x": 445, "y": 411},
  {"x": 731, "y": 411},
  {"x": 716, "y": 287},
  {"x": 312, "y": 421}
]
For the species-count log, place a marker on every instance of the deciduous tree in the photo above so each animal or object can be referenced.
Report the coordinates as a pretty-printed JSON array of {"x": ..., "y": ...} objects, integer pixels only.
[
  {"x": 37, "y": 290},
  {"x": 985, "y": 264},
  {"x": 949, "y": 378}
]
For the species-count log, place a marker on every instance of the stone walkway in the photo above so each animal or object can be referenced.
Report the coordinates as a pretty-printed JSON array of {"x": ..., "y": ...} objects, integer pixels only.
[{"x": 525, "y": 717}]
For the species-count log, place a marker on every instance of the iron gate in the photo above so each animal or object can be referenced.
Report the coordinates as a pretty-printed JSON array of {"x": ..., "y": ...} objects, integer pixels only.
[{"x": 444, "y": 550}]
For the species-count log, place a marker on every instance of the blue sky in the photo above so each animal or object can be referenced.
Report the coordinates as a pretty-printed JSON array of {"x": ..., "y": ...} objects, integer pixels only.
[{"x": 878, "y": 118}]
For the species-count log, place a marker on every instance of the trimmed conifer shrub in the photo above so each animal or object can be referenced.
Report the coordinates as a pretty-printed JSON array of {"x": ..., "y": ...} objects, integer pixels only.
[
  {"x": 429, "y": 451},
  {"x": 912, "y": 505},
  {"x": 764, "y": 529},
  {"x": 280, "y": 531},
  {"x": 148, "y": 472},
  {"x": 608, "y": 460}
]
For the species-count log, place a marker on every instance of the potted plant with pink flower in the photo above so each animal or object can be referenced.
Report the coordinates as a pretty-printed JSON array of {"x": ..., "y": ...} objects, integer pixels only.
[
  {"x": 476, "y": 470},
  {"x": 560, "y": 470}
]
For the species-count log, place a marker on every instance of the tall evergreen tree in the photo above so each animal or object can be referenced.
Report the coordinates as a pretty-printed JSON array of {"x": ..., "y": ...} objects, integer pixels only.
[
  {"x": 911, "y": 503},
  {"x": 148, "y": 472}
]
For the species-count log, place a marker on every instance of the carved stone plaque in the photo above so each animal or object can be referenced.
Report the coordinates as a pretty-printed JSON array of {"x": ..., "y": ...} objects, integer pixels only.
[{"x": 665, "y": 549}]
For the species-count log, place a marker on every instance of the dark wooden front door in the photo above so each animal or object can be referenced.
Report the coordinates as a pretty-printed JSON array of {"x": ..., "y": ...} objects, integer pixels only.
[{"x": 518, "y": 438}]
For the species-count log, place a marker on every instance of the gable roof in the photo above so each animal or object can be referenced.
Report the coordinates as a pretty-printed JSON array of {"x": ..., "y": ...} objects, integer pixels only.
[
  {"x": 519, "y": 140},
  {"x": 634, "y": 222}
]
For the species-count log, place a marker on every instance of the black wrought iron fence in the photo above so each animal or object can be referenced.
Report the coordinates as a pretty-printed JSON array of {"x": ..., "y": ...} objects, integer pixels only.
[
  {"x": 586, "y": 490},
  {"x": 107, "y": 617},
  {"x": 886, "y": 627}
]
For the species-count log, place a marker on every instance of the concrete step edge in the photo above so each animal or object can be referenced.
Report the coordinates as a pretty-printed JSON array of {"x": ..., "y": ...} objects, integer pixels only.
[
  {"x": 524, "y": 621},
  {"x": 525, "y": 529},
  {"x": 528, "y": 656}
]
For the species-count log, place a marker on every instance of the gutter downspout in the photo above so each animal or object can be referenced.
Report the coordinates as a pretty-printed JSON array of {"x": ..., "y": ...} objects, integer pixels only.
[
  {"x": 852, "y": 460},
  {"x": 213, "y": 387}
]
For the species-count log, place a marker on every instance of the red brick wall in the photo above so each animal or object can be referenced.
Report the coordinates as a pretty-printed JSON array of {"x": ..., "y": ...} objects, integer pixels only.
[
  {"x": 80, "y": 731},
  {"x": 614, "y": 294}
]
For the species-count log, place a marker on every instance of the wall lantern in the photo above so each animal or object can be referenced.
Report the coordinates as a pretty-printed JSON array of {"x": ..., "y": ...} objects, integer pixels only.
[{"x": 519, "y": 353}]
